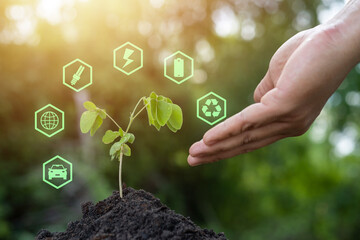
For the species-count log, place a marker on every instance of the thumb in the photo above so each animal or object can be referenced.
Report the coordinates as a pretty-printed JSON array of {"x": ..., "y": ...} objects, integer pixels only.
[
  {"x": 263, "y": 87},
  {"x": 277, "y": 64}
]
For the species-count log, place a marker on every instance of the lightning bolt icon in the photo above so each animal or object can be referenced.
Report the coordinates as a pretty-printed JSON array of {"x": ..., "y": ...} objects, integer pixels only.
[{"x": 127, "y": 54}]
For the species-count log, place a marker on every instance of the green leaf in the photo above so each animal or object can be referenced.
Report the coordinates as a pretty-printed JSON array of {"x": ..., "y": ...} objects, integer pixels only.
[
  {"x": 89, "y": 105},
  {"x": 102, "y": 113},
  {"x": 114, "y": 148},
  {"x": 125, "y": 138},
  {"x": 171, "y": 127},
  {"x": 157, "y": 126},
  {"x": 116, "y": 155},
  {"x": 121, "y": 132},
  {"x": 87, "y": 120},
  {"x": 148, "y": 110},
  {"x": 131, "y": 138},
  {"x": 151, "y": 112},
  {"x": 168, "y": 100},
  {"x": 176, "y": 119},
  {"x": 153, "y": 95},
  {"x": 96, "y": 125},
  {"x": 153, "y": 107},
  {"x": 126, "y": 150},
  {"x": 163, "y": 111},
  {"x": 110, "y": 136}
]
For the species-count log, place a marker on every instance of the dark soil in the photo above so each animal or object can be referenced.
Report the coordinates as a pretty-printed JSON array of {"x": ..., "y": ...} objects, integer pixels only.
[{"x": 139, "y": 215}]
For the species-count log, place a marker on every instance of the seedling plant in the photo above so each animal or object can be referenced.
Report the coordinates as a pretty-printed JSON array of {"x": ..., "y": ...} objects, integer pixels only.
[{"x": 160, "y": 110}]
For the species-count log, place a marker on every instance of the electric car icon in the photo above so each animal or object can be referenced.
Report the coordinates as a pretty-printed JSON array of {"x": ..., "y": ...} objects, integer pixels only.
[{"x": 57, "y": 171}]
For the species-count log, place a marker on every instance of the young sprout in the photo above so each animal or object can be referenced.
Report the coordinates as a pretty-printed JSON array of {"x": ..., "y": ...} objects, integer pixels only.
[{"x": 161, "y": 111}]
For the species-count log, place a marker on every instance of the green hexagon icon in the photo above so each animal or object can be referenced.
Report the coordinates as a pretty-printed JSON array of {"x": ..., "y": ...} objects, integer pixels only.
[
  {"x": 128, "y": 58},
  {"x": 57, "y": 172},
  {"x": 178, "y": 67},
  {"x": 77, "y": 75},
  {"x": 211, "y": 108},
  {"x": 49, "y": 120}
]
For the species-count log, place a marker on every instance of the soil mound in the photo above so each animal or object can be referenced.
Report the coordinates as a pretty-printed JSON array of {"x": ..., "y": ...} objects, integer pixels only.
[{"x": 139, "y": 215}]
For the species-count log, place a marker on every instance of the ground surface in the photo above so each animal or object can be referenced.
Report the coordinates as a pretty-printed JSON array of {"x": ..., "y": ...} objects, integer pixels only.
[{"x": 139, "y": 215}]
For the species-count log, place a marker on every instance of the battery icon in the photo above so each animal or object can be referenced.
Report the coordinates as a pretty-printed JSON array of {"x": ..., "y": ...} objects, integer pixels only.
[{"x": 178, "y": 67}]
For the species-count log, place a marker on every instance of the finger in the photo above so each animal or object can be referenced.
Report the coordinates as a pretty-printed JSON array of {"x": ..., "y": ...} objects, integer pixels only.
[
  {"x": 195, "y": 161},
  {"x": 200, "y": 149},
  {"x": 265, "y": 85},
  {"x": 253, "y": 116}
]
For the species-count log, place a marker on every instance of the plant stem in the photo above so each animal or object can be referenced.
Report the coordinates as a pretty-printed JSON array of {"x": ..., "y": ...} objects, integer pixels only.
[
  {"x": 111, "y": 118},
  {"x": 137, "y": 105},
  {"x": 140, "y": 111},
  {"x": 120, "y": 165},
  {"x": 132, "y": 117}
]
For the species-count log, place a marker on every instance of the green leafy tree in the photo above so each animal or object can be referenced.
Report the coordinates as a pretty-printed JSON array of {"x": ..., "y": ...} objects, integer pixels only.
[{"x": 161, "y": 111}]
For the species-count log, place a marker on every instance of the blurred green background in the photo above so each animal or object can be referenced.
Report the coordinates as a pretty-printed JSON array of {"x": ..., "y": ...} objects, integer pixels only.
[{"x": 299, "y": 188}]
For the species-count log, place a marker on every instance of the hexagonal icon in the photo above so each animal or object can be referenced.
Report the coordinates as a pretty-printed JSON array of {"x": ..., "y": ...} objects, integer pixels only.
[
  {"x": 77, "y": 75},
  {"x": 211, "y": 108},
  {"x": 178, "y": 67},
  {"x": 57, "y": 172},
  {"x": 49, "y": 120},
  {"x": 128, "y": 58}
]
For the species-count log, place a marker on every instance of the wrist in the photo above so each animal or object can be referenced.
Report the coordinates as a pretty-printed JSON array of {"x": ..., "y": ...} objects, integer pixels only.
[{"x": 346, "y": 26}]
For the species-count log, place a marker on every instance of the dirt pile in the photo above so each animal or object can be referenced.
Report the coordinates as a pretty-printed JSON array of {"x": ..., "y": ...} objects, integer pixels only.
[{"x": 139, "y": 215}]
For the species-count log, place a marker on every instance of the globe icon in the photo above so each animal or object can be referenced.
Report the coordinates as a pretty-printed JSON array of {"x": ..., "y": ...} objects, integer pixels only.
[{"x": 49, "y": 120}]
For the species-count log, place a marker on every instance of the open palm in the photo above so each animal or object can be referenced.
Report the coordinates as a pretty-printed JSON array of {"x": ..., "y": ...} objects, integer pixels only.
[{"x": 302, "y": 75}]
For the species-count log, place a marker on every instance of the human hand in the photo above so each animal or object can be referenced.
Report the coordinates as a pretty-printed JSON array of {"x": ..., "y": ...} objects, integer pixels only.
[{"x": 302, "y": 75}]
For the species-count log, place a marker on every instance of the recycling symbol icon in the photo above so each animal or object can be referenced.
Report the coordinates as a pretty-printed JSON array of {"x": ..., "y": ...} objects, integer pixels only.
[
  {"x": 211, "y": 108},
  {"x": 206, "y": 108}
]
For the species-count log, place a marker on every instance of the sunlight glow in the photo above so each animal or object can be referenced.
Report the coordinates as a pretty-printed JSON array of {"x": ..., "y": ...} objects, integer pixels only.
[
  {"x": 344, "y": 142},
  {"x": 200, "y": 76},
  {"x": 204, "y": 51},
  {"x": 328, "y": 9},
  {"x": 157, "y": 3},
  {"x": 320, "y": 127},
  {"x": 226, "y": 22},
  {"x": 22, "y": 31},
  {"x": 248, "y": 30},
  {"x": 50, "y": 10},
  {"x": 302, "y": 21},
  {"x": 353, "y": 98},
  {"x": 144, "y": 28}
]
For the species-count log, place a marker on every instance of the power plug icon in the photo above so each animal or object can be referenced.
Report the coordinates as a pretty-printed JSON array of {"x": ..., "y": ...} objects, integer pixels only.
[{"x": 77, "y": 75}]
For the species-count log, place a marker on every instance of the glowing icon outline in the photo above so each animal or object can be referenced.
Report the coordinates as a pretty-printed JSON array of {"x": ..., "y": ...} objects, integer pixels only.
[
  {"x": 62, "y": 121},
  {"x": 208, "y": 103},
  {"x": 176, "y": 69},
  {"x": 77, "y": 75},
  {"x": 127, "y": 56},
  {"x": 70, "y": 173}
]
